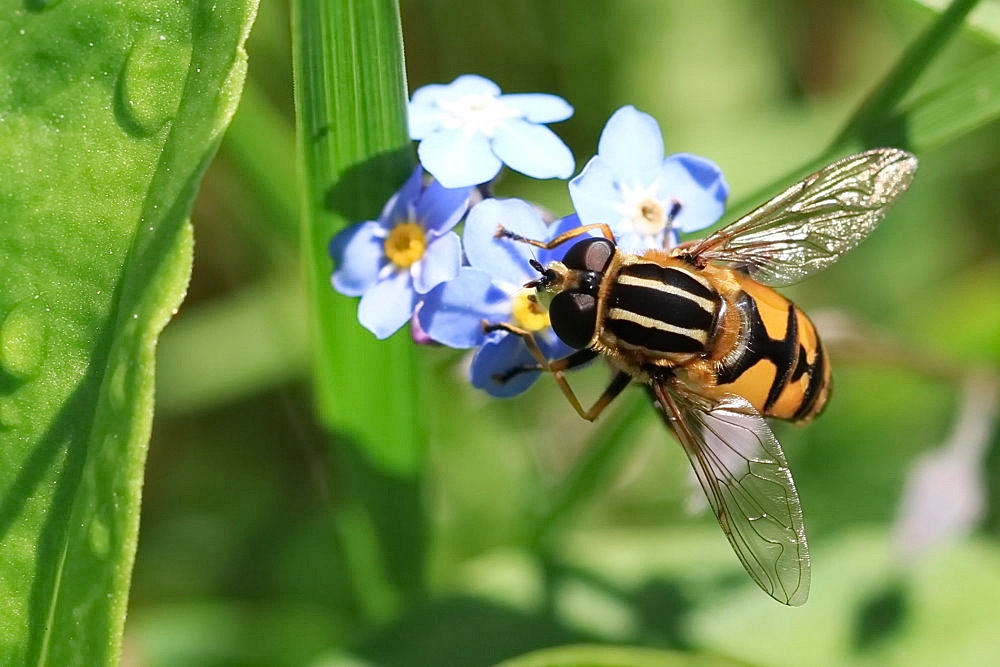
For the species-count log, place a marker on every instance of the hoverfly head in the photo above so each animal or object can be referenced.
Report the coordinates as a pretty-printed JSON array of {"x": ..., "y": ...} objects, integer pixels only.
[
  {"x": 552, "y": 277},
  {"x": 573, "y": 310}
]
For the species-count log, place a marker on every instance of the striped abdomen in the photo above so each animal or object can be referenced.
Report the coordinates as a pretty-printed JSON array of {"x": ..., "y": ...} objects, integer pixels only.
[
  {"x": 660, "y": 311},
  {"x": 779, "y": 364}
]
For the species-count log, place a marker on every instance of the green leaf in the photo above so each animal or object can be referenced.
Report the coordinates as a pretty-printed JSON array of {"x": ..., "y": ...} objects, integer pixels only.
[
  {"x": 586, "y": 655},
  {"x": 109, "y": 113},
  {"x": 867, "y": 124},
  {"x": 355, "y": 151},
  {"x": 866, "y": 610},
  {"x": 985, "y": 18},
  {"x": 963, "y": 104}
]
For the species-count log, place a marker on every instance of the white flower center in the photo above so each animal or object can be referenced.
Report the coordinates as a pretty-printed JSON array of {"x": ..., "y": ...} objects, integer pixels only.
[
  {"x": 477, "y": 113},
  {"x": 640, "y": 208}
]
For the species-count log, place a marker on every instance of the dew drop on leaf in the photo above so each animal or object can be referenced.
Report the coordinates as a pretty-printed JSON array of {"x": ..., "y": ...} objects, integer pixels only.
[
  {"x": 22, "y": 341},
  {"x": 41, "y": 5},
  {"x": 118, "y": 386},
  {"x": 151, "y": 83},
  {"x": 10, "y": 414},
  {"x": 99, "y": 538}
]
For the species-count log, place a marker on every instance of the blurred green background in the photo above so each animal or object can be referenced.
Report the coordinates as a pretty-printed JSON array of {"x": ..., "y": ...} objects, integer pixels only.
[{"x": 264, "y": 544}]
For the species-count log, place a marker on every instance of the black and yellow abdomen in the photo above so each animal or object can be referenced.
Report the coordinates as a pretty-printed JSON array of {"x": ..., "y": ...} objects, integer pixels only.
[
  {"x": 716, "y": 329},
  {"x": 778, "y": 362}
]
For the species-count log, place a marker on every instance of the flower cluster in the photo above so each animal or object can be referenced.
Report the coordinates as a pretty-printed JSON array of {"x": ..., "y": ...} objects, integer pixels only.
[{"x": 410, "y": 265}]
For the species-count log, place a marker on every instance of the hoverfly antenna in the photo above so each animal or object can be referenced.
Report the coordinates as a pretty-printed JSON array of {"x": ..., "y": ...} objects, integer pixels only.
[
  {"x": 548, "y": 278},
  {"x": 675, "y": 209},
  {"x": 504, "y": 233}
]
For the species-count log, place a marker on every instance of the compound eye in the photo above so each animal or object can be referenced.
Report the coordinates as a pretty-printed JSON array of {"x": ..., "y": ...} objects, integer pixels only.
[
  {"x": 574, "y": 317},
  {"x": 590, "y": 255}
]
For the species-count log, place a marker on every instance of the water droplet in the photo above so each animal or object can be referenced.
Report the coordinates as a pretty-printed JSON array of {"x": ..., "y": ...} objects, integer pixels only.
[
  {"x": 151, "y": 83},
  {"x": 10, "y": 414},
  {"x": 41, "y": 5},
  {"x": 118, "y": 386},
  {"x": 99, "y": 537},
  {"x": 22, "y": 341}
]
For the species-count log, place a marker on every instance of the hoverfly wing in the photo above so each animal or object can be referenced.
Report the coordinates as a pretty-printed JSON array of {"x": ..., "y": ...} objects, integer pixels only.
[
  {"x": 745, "y": 476},
  {"x": 810, "y": 225}
]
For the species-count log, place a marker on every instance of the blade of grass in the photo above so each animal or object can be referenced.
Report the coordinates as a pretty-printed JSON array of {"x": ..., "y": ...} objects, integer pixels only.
[
  {"x": 878, "y": 121},
  {"x": 868, "y": 123},
  {"x": 354, "y": 149},
  {"x": 956, "y": 108}
]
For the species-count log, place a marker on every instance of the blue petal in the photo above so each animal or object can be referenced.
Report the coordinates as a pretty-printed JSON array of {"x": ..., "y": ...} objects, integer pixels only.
[
  {"x": 425, "y": 119},
  {"x": 467, "y": 84},
  {"x": 458, "y": 158},
  {"x": 539, "y": 107},
  {"x": 440, "y": 208},
  {"x": 428, "y": 96},
  {"x": 400, "y": 205},
  {"x": 440, "y": 262},
  {"x": 534, "y": 150},
  {"x": 504, "y": 259},
  {"x": 388, "y": 305},
  {"x": 358, "y": 255},
  {"x": 471, "y": 84},
  {"x": 698, "y": 185},
  {"x": 499, "y": 353},
  {"x": 595, "y": 194},
  {"x": 632, "y": 144},
  {"x": 453, "y": 312}
]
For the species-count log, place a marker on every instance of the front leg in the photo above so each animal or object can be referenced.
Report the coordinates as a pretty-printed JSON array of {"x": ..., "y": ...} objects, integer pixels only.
[
  {"x": 557, "y": 368},
  {"x": 605, "y": 230}
]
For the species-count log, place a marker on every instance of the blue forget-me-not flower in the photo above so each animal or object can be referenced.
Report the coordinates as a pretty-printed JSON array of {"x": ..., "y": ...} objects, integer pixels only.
[
  {"x": 644, "y": 197},
  {"x": 468, "y": 130},
  {"x": 391, "y": 262},
  {"x": 409, "y": 264},
  {"x": 491, "y": 290}
]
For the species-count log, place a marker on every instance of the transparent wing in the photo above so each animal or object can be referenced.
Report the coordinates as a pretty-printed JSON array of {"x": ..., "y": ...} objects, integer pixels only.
[
  {"x": 811, "y": 224},
  {"x": 745, "y": 476}
]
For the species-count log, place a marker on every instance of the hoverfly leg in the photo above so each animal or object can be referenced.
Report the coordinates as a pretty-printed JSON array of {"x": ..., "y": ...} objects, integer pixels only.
[
  {"x": 615, "y": 387},
  {"x": 514, "y": 371},
  {"x": 504, "y": 233},
  {"x": 556, "y": 367}
]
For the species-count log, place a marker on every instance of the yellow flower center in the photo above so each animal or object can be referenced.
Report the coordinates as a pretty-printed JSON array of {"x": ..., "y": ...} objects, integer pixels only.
[
  {"x": 405, "y": 244},
  {"x": 650, "y": 218},
  {"x": 528, "y": 313},
  {"x": 642, "y": 210}
]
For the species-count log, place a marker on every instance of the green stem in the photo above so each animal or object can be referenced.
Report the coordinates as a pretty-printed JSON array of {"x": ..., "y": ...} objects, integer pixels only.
[
  {"x": 871, "y": 125},
  {"x": 602, "y": 457},
  {"x": 870, "y": 119}
]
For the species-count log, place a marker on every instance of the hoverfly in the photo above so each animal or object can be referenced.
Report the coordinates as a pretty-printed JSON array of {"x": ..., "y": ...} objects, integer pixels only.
[{"x": 717, "y": 348}]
